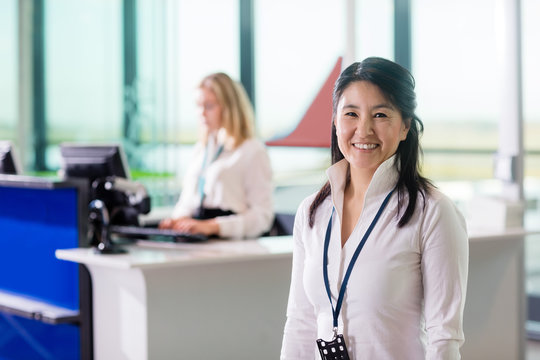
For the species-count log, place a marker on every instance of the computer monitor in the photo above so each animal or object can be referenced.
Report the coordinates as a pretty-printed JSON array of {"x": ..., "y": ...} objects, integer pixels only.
[
  {"x": 9, "y": 163},
  {"x": 105, "y": 167},
  {"x": 93, "y": 161}
]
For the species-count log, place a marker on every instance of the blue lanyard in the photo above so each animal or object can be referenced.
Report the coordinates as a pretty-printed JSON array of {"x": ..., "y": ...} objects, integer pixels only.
[
  {"x": 336, "y": 311},
  {"x": 202, "y": 176}
]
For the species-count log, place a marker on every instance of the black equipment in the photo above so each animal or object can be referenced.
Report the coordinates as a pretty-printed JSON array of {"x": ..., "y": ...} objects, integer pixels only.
[
  {"x": 114, "y": 199},
  {"x": 8, "y": 160}
]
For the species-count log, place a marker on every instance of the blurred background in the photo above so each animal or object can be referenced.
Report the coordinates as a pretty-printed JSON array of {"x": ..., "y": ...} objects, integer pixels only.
[{"x": 124, "y": 71}]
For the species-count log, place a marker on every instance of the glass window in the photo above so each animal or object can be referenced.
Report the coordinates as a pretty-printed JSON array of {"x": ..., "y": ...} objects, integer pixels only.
[
  {"x": 374, "y": 29},
  {"x": 8, "y": 70},
  {"x": 454, "y": 56},
  {"x": 208, "y": 41},
  {"x": 178, "y": 43},
  {"x": 83, "y": 72},
  {"x": 531, "y": 94},
  {"x": 294, "y": 54},
  {"x": 297, "y": 43}
]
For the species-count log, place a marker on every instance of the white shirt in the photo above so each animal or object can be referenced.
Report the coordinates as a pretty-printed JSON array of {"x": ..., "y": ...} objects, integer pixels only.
[
  {"x": 406, "y": 292},
  {"x": 239, "y": 180}
]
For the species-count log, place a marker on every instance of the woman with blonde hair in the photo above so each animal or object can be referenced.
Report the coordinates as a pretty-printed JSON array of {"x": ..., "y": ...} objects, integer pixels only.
[{"x": 227, "y": 189}]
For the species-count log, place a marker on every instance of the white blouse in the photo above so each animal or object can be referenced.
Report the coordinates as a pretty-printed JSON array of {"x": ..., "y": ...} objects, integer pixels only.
[
  {"x": 239, "y": 180},
  {"x": 406, "y": 292}
]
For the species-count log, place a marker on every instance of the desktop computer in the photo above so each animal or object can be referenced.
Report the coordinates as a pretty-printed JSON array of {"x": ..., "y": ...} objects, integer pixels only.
[{"x": 115, "y": 201}]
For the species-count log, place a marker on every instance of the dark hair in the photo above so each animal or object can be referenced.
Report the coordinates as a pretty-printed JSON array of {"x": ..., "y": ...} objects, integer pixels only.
[{"x": 397, "y": 84}]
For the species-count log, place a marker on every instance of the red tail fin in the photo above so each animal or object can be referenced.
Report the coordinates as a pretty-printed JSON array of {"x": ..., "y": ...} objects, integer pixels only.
[{"x": 314, "y": 128}]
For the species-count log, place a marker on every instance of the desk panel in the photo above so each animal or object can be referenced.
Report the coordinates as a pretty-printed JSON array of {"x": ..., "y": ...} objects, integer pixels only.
[
  {"x": 33, "y": 224},
  {"x": 45, "y": 308}
]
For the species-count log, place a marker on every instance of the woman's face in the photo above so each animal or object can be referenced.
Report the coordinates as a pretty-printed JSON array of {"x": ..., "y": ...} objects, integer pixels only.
[
  {"x": 369, "y": 128},
  {"x": 209, "y": 109}
]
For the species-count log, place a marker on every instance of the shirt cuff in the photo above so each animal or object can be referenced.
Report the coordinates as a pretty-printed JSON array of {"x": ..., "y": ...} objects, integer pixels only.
[{"x": 230, "y": 226}]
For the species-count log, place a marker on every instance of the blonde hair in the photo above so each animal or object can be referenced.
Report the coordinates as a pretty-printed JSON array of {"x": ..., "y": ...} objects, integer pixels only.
[{"x": 237, "y": 112}]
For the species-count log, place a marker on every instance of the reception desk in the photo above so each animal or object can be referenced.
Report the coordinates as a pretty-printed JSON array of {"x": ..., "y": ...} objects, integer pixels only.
[
  {"x": 220, "y": 300},
  {"x": 45, "y": 310},
  {"x": 227, "y": 299}
]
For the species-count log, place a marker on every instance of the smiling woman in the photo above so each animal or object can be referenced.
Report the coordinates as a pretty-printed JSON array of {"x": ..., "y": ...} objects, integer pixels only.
[
  {"x": 396, "y": 85},
  {"x": 368, "y": 127},
  {"x": 408, "y": 279}
]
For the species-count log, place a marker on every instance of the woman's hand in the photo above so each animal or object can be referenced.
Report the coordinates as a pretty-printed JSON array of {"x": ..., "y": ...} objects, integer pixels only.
[
  {"x": 166, "y": 223},
  {"x": 190, "y": 225}
]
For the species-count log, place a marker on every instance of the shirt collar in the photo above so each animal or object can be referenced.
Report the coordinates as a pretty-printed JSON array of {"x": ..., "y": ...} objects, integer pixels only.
[
  {"x": 216, "y": 139},
  {"x": 384, "y": 179}
]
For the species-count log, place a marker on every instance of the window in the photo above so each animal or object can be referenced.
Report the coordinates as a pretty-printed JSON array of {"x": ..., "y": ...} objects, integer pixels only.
[
  {"x": 179, "y": 42},
  {"x": 8, "y": 70},
  {"x": 297, "y": 44},
  {"x": 454, "y": 54},
  {"x": 293, "y": 58},
  {"x": 531, "y": 93},
  {"x": 83, "y": 72},
  {"x": 374, "y": 29}
]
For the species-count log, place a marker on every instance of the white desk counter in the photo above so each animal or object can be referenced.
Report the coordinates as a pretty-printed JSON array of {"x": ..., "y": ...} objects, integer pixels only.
[
  {"x": 218, "y": 300},
  {"x": 227, "y": 299},
  {"x": 151, "y": 254}
]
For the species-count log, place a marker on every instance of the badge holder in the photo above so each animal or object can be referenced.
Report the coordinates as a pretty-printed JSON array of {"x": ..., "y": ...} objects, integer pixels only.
[{"x": 333, "y": 350}]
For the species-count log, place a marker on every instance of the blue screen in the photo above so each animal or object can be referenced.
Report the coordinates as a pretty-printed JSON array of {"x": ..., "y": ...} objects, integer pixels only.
[{"x": 33, "y": 224}]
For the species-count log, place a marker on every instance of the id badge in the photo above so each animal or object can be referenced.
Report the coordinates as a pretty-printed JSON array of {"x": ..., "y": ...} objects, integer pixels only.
[{"x": 333, "y": 350}]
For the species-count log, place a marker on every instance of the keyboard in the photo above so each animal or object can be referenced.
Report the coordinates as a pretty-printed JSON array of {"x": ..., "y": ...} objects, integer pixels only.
[{"x": 149, "y": 232}]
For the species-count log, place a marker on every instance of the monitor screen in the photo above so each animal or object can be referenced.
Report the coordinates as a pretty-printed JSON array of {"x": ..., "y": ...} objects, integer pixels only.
[
  {"x": 8, "y": 160},
  {"x": 93, "y": 161}
]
